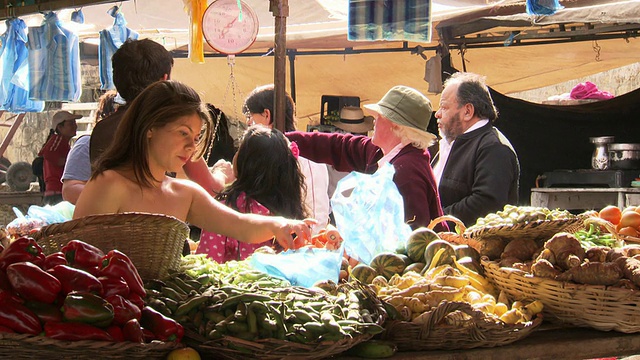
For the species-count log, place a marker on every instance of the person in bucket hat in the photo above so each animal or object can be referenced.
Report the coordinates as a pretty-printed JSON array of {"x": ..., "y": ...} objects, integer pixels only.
[
  {"x": 476, "y": 167},
  {"x": 399, "y": 138}
]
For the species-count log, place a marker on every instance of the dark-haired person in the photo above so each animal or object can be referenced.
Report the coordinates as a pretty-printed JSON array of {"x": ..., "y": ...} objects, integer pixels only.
[
  {"x": 476, "y": 168},
  {"x": 55, "y": 151},
  {"x": 136, "y": 65},
  {"x": 258, "y": 106},
  {"x": 162, "y": 129},
  {"x": 266, "y": 185}
]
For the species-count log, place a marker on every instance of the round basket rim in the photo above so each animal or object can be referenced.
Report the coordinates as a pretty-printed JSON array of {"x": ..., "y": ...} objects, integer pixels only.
[
  {"x": 115, "y": 218},
  {"x": 532, "y": 229}
]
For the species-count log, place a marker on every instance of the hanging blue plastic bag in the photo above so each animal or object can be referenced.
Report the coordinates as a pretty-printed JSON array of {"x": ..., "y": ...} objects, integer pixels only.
[
  {"x": 302, "y": 267},
  {"x": 369, "y": 213},
  {"x": 543, "y": 7}
]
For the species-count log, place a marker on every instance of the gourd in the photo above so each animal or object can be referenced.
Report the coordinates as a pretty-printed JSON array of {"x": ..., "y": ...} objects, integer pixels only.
[
  {"x": 387, "y": 264},
  {"x": 364, "y": 273},
  {"x": 433, "y": 248},
  {"x": 407, "y": 260},
  {"x": 466, "y": 250},
  {"x": 418, "y": 241},
  {"x": 417, "y": 267}
]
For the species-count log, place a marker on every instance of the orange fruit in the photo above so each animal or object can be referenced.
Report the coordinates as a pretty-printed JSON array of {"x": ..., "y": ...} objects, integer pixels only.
[
  {"x": 629, "y": 231},
  {"x": 185, "y": 353},
  {"x": 611, "y": 213},
  {"x": 630, "y": 218}
]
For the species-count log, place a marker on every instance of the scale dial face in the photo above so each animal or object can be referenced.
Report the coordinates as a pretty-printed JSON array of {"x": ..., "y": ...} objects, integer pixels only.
[{"x": 225, "y": 31}]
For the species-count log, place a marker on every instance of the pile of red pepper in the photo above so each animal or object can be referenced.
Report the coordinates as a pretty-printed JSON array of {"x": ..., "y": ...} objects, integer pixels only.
[{"x": 79, "y": 293}]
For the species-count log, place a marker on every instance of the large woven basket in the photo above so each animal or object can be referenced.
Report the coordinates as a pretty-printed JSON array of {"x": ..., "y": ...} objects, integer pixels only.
[
  {"x": 535, "y": 230},
  {"x": 21, "y": 346},
  {"x": 595, "y": 306},
  {"x": 478, "y": 331},
  {"x": 153, "y": 242},
  {"x": 233, "y": 348}
]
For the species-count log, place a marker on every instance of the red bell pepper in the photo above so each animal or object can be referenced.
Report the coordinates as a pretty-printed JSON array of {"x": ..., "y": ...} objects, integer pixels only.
[
  {"x": 19, "y": 318},
  {"x": 87, "y": 308},
  {"x": 132, "y": 331},
  {"x": 45, "y": 312},
  {"x": 11, "y": 295},
  {"x": 114, "y": 286},
  {"x": 148, "y": 335},
  {"x": 33, "y": 283},
  {"x": 4, "y": 329},
  {"x": 116, "y": 333},
  {"x": 73, "y": 279},
  {"x": 75, "y": 331},
  {"x": 22, "y": 249},
  {"x": 136, "y": 300},
  {"x": 117, "y": 264},
  {"x": 123, "y": 309},
  {"x": 82, "y": 255},
  {"x": 164, "y": 328},
  {"x": 54, "y": 259}
]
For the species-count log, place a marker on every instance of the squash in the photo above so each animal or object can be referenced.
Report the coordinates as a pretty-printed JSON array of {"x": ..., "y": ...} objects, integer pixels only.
[
  {"x": 433, "y": 248},
  {"x": 417, "y": 267},
  {"x": 387, "y": 264},
  {"x": 471, "y": 264},
  {"x": 418, "y": 241},
  {"x": 466, "y": 250},
  {"x": 363, "y": 272},
  {"x": 407, "y": 260}
]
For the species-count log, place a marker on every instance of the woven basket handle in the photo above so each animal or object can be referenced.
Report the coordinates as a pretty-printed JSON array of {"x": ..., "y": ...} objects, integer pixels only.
[
  {"x": 460, "y": 228},
  {"x": 604, "y": 223},
  {"x": 445, "y": 308}
]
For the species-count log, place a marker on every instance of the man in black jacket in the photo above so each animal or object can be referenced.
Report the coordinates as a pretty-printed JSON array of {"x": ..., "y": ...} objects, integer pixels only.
[{"x": 476, "y": 169}]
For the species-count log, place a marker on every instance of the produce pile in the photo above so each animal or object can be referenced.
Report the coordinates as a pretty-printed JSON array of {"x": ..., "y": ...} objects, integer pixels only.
[
  {"x": 428, "y": 273},
  {"x": 212, "y": 300},
  {"x": 592, "y": 256},
  {"x": 79, "y": 293},
  {"x": 513, "y": 215}
]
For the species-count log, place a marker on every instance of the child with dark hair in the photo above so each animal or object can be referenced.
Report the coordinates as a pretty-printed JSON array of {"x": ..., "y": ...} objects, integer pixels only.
[{"x": 268, "y": 182}]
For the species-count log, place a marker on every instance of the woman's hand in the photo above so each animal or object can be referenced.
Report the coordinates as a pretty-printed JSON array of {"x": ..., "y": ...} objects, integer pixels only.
[{"x": 285, "y": 228}]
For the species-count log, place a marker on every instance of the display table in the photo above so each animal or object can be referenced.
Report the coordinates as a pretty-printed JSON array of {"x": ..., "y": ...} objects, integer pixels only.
[
  {"x": 550, "y": 343},
  {"x": 19, "y": 199},
  {"x": 584, "y": 198}
]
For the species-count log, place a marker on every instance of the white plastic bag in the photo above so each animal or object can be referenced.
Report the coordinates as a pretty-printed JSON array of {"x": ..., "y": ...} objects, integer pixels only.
[{"x": 369, "y": 213}]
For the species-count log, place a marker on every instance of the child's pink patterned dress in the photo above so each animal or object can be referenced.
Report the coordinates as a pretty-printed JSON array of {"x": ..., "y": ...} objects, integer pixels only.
[{"x": 221, "y": 248}]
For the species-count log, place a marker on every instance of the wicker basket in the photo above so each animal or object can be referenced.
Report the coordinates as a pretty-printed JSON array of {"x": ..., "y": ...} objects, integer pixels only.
[
  {"x": 435, "y": 334},
  {"x": 153, "y": 242},
  {"x": 454, "y": 237},
  {"x": 595, "y": 306},
  {"x": 233, "y": 348},
  {"x": 535, "y": 230},
  {"x": 21, "y": 346}
]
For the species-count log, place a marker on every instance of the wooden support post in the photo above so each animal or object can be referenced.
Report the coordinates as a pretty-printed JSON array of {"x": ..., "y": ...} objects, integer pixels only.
[{"x": 280, "y": 10}]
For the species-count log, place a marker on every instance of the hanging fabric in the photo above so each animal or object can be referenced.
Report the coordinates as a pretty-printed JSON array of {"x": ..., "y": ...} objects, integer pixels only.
[
  {"x": 196, "y": 10},
  {"x": 54, "y": 62},
  {"x": 371, "y": 20},
  {"x": 14, "y": 83},
  {"x": 110, "y": 40}
]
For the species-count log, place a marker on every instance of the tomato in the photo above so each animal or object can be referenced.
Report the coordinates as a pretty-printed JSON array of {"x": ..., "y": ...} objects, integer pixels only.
[
  {"x": 630, "y": 218},
  {"x": 611, "y": 213},
  {"x": 185, "y": 353},
  {"x": 629, "y": 231}
]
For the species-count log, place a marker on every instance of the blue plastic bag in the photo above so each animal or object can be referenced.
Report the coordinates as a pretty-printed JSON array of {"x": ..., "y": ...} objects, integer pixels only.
[
  {"x": 369, "y": 213},
  {"x": 543, "y": 7},
  {"x": 302, "y": 267}
]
